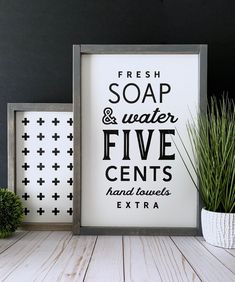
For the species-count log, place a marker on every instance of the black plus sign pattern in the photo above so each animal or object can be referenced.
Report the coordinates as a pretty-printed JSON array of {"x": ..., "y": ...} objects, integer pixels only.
[
  {"x": 70, "y": 211},
  {"x": 25, "y": 196},
  {"x": 70, "y": 122},
  {"x": 55, "y": 121},
  {"x": 25, "y": 151},
  {"x": 70, "y": 196},
  {"x": 55, "y": 211},
  {"x": 40, "y": 151},
  {"x": 70, "y": 181},
  {"x": 45, "y": 171},
  {"x": 55, "y": 151},
  {"x": 70, "y": 136},
  {"x": 25, "y": 166},
  {"x": 40, "y": 121},
  {"x": 40, "y": 211},
  {"x": 70, "y": 151},
  {"x": 40, "y": 196},
  {"x": 40, "y": 136},
  {"x": 25, "y": 181},
  {"x": 55, "y": 136},
  {"x": 25, "y": 136},
  {"x": 41, "y": 166},
  {"x": 26, "y": 211},
  {"x": 40, "y": 181},
  {"x": 55, "y": 181},
  {"x": 25, "y": 121},
  {"x": 55, "y": 196},
  {"x": 56, "y": 166},
  {"x": 70, "y": 166}
]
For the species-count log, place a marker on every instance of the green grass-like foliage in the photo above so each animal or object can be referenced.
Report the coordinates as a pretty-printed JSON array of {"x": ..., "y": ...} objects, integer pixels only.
[
  {"x": 212, "y": 138},
  {"x": 11, "y": 212}
]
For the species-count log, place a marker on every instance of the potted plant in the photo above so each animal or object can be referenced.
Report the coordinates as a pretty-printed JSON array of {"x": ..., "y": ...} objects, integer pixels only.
[
  {"x": 11, "y": 212},
  {"x": 212, "y": 137}
]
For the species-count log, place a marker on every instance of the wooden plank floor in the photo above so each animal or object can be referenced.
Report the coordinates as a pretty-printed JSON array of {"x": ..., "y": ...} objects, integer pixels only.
[{"x": 59, "y": 256}]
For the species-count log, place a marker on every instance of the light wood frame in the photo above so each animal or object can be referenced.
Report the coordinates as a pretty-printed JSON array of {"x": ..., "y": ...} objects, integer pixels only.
[
  {"x": 12, "y": 108},
  {"x": 78, "y": 51}
]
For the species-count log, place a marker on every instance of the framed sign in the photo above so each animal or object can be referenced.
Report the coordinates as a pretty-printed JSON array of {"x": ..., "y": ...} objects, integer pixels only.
[
  {"x": 40, "y": 163},
  {"x": 129, "y": 102}
]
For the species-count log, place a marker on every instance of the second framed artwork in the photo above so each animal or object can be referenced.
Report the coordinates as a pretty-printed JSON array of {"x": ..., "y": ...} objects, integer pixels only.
[
  {"x": 40, "y": 163},
  {"x": 129, "y": 103}
]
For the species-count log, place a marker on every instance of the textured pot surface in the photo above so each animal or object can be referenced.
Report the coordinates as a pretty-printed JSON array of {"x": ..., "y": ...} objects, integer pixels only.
[{"x": 218, "y": 229}]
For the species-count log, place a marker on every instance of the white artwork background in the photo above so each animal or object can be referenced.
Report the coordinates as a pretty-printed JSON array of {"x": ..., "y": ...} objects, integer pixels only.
[
  {"x": 98, "y": 72},
  {"x": 44, "y": 165}
]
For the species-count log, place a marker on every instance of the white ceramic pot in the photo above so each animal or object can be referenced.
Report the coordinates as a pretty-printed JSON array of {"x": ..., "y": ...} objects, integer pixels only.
[{"x": 218, "y": 229}]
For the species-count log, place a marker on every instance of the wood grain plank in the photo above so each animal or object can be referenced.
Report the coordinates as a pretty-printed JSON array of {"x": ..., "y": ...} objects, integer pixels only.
[
  {"x": 36, "y": 254},
  {"x": 14, "y": 255},
  {"x": 224, "y": 257},
  {"x": 107, "y": 260},
  {"x": 73, "y": 262},
  {"x": 231, "y": 251},
  {"x": 206, "y": 265},
  {"x": 155, "y": 259},
  {"x": 8, "y": 242}
]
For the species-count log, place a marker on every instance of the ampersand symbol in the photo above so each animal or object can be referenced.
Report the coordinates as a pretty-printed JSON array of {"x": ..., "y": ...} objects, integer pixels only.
[{"x": 108, "y": 118}]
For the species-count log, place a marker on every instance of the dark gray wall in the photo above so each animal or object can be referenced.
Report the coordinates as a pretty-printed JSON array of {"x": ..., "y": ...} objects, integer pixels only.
[{"x": 36, "y": 40}]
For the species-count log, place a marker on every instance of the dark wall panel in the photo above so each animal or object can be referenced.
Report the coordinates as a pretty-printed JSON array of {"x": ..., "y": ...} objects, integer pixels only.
[{"x": 36, "y": 40}]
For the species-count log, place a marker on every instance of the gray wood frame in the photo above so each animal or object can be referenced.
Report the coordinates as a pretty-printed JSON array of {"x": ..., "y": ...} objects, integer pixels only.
[
  {"x": 78, "y": 51},
  {"x": 12, "y": 108}
]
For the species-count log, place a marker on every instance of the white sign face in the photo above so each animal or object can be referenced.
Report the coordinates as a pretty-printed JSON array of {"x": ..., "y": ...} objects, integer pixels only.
[{"x": 132, "y": 175}]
